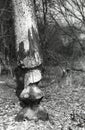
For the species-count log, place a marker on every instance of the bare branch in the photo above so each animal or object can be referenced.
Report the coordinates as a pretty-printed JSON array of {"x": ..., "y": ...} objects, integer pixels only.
[{"x": 3, "y": 8}]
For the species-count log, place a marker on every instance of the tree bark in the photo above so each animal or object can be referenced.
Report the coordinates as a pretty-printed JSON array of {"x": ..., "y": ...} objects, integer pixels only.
[{"x": 27, "y": 39}]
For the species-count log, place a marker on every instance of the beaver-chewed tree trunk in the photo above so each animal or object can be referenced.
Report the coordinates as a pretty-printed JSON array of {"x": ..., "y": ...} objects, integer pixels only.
[{"x": 27, "y": 45}]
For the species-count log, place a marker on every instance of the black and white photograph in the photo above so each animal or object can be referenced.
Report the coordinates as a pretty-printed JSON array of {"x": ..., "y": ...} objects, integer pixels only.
[{"x": 42, "y": 64}]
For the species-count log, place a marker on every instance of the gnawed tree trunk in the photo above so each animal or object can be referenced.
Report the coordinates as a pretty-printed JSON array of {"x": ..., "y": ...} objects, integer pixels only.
[
  {"x": 27, "y": 38},
  {"x": 27, "y": 42}
]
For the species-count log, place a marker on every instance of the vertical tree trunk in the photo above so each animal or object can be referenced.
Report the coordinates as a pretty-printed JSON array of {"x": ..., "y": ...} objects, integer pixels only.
[{"x": 27, "y": 39}]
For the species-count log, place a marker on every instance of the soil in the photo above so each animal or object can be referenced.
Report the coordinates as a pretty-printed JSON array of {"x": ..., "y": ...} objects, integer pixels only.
[{"x": 64, "y": 100}]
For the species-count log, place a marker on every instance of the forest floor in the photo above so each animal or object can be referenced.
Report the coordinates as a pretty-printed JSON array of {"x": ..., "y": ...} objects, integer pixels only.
[{"x": 64, "y": 100}]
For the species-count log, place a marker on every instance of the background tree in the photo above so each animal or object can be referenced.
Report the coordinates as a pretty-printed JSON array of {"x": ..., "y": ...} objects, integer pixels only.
[{"x": 62, "y": 34}]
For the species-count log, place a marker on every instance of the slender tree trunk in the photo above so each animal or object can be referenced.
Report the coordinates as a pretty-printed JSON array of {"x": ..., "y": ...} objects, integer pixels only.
[
  {"x": 27, "y": 40},
  {"x": 44, "y": 3}
]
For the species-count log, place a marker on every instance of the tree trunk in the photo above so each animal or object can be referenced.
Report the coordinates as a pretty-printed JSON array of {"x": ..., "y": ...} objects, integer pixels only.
[{"x": 27, "y": 40}]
